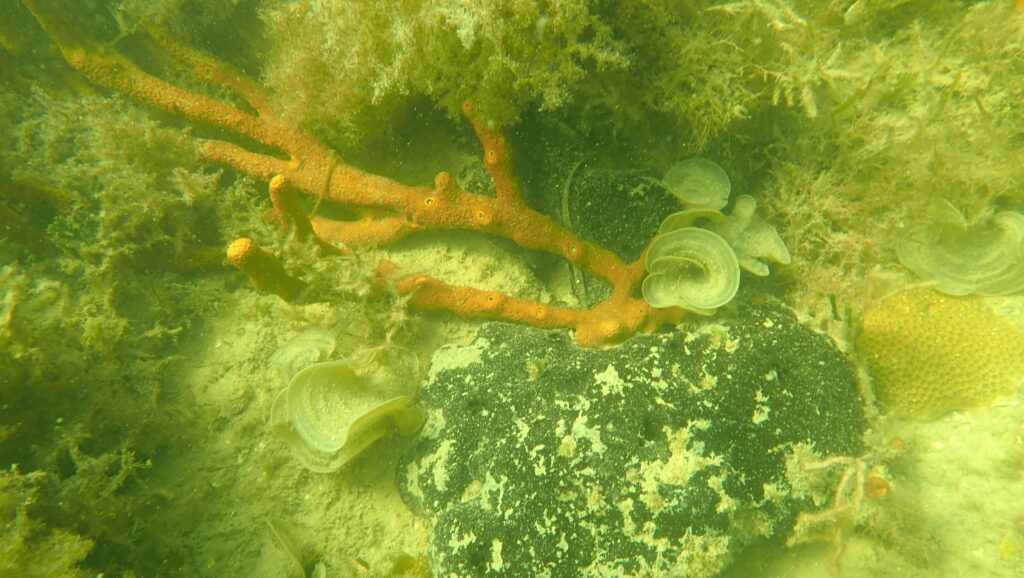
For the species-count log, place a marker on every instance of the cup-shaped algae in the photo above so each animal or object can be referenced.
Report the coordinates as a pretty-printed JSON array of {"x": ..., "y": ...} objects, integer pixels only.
[
  {"x": 691, "y": 268},
  {"x": 329, "y": 414},
  {"x": 699, "y": 184},
  {"x": 694, "y": 262},
  {"x": 961, "y": 258},
  {"x": 755, "y": 242},
  {"x": 310, "y": 346}
]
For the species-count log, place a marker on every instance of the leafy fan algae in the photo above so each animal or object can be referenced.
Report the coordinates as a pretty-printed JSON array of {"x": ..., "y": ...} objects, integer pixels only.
[{"x": 985, "y": 258}]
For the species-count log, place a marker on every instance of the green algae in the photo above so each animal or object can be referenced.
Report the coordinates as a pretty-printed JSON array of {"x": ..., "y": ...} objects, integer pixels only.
[
  {"x": 691, "y": 268},
  {"x": 134, "y": 383},
  {"x": 961, "y": 258}
]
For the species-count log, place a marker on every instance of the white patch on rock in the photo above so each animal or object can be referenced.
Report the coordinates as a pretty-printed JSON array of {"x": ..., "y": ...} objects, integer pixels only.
[
  {"x": 458, "y": 357},
  {"x": 610, "y": 381},
  {"x": 581, "y": 431}
]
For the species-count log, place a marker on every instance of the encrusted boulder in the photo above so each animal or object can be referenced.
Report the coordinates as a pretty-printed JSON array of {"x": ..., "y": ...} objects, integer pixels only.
[{"x": 664, "y": 456}]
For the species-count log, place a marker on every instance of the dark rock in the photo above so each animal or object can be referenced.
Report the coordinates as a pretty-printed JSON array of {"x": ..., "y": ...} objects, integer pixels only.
[
  {"x": 665, "y": 455},
  {"x": 565, "y": 176}
]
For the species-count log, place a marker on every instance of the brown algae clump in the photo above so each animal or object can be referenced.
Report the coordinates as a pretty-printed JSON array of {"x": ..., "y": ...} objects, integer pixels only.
[{"x": 931, "y": 354}]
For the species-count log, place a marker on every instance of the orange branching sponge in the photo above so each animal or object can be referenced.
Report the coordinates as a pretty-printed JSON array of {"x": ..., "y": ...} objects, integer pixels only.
[
  {"x": 288, "y": 210},
  {"x": 389, "y": 210},
  {"x": 264, "y": 270}
]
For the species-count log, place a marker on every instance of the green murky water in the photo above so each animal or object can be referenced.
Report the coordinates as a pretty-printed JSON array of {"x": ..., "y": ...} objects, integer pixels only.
[{"x": 139, "y": 367}]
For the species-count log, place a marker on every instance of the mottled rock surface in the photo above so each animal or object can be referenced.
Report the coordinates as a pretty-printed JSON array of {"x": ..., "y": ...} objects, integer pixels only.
[{"x": 664, "y": 456}]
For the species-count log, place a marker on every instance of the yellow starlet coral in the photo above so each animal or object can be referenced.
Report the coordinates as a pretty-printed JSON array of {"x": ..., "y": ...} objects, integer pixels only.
[{"x": 930, "y": 353}]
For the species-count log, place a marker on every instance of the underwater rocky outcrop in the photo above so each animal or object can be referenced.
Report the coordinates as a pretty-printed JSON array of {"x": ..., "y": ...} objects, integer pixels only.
[{"x": 670, "y": 453}]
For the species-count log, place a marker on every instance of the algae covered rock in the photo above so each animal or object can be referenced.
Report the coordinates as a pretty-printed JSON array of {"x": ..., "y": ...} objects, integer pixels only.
[{"x": 664, "y": 456}]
